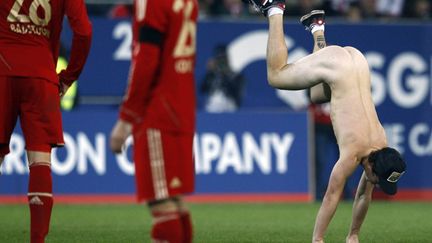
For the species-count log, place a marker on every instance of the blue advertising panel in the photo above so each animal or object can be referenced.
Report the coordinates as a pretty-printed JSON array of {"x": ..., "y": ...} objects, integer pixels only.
[
  {"x": 235, "y": 153},
  {"x": 252, "y": 152},
  {"x": 400, "y": 70}
]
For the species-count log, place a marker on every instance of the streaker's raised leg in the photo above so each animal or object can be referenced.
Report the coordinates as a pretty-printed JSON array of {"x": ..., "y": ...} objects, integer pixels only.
[
  {"x": 315, "y": 23},
  {"x": 327, "y": 65}
]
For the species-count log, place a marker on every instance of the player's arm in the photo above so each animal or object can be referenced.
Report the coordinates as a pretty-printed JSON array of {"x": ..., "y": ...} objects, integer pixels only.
[
  {"x": 82, "y": 33},
  {"x": 144, "y": 68}
]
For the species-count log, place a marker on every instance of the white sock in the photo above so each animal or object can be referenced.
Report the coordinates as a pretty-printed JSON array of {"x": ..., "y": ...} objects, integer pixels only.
[
  {"x": 317, "y": 27},
  {"x": 273, "y": 11}
]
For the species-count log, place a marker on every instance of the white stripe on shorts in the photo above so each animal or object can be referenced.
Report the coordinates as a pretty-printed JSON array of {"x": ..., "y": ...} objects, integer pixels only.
[{"x": 157, "y": 163}]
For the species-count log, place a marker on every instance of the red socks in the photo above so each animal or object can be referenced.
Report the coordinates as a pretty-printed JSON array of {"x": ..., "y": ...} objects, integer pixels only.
[
  {"x": 187, "y": 226},
  {"x": 167, "y": 227},
  {"x": 172, "y": 227},
  {"x": 40, "y": 201}
]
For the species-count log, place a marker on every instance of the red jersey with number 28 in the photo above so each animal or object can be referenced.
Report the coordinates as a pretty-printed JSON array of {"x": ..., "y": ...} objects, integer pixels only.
[
  {"x": 161, "y": 92},
  {"x": 30, "y": 33}
]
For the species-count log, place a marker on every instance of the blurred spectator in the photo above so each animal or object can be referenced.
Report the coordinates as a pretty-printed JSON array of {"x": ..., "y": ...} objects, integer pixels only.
[
  {"x": 204, "y": 8},
  {"x": 354, "y": 12},
  {"x": 224, "y": 87},
  {"x": 390, "y": 8},
  {"x": 120, "y": 11},
  {"x": 368, "y": 9},
  {"x": 337, "y": 7},
  {"x": 420, "y": 9},
  {"x": 99, "y": 9},
  {"x": 364, "y": 10},
  {"x": 302, "y": 7},
  {"x": 232, "y": 8}
]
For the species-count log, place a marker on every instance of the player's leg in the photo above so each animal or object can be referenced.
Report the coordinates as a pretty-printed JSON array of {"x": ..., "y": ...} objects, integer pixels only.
[
  {"x": 41, "y": 124},
  {"x": 171, "y": 220},
  {"x": 40, "y": 197},
  {"x": 164, "y": 171},
  {"x": 167, "y": 223},
  {"x": 186, "y": 220}
]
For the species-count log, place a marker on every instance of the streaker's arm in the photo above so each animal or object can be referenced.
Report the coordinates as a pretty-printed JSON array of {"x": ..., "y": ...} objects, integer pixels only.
[
  {"x": 343, "y": 168},
  {"x": 360, "y": 207},
  {"x": 329, "y": 203}
]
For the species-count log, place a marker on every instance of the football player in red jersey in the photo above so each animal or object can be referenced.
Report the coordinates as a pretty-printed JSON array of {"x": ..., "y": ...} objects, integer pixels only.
[
  {"x": 159, "y": 111},
  {"x": 31, "y": 89}
]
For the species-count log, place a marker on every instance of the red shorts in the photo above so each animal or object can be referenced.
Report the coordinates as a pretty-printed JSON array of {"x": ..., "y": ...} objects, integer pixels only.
[
  {"x": 164, "y": 165},
  {"x": 36, "y": 102}
]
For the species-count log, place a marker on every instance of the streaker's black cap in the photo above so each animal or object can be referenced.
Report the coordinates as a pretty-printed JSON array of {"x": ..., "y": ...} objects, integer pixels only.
[{"x": 389, "y": 166}]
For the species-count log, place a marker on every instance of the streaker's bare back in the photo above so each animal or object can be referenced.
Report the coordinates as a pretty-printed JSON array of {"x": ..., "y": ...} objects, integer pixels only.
[{"x": 353, "y": 113}]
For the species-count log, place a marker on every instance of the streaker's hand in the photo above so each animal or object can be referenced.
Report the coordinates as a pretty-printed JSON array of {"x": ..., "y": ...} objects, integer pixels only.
[
  {"x": 119, "y": 134},
  {"x": 370, "y": 175},
  {"x": 352, "y": 239}
]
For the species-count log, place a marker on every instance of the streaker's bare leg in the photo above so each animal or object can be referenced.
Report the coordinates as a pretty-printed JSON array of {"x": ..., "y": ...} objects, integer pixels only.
[
  {"x": 321, "y": 92},
  {"x": 329, "y": 64},
  {"x": 360, "y": 207}
]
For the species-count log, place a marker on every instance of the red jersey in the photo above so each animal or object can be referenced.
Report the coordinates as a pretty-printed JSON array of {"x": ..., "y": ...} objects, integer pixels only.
[
  {"x": 30, "y": 33},
  {"x": 161, "y": 92}
]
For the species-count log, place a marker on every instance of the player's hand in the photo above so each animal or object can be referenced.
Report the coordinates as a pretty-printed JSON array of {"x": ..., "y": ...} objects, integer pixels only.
[
  {"x": 119, "y": 134},
  {"x": 63, "y": 89}
]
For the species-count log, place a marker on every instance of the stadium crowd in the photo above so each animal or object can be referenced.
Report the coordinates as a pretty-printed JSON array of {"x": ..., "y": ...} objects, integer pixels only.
[{"x": 351, "y": 10}]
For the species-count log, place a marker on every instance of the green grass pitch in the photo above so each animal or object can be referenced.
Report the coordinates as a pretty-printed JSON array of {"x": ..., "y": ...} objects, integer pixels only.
[{"x": 230, "y": 222}]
